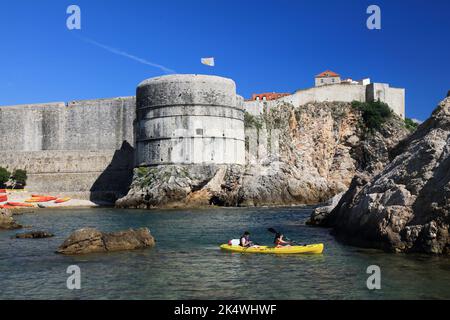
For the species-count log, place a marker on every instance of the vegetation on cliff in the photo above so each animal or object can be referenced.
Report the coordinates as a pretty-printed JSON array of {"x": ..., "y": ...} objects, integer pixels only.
[
  {"x": 251, "y": 121},
  {"x": 410, "y": 124},
  {"x": 374, "y": 114}
]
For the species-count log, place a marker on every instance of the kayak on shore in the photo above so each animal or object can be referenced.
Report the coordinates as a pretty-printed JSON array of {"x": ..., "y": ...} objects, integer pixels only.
[
  {"x": 62, "y": 200},
  {"x": 41, "y": 199},
  {"x": 312, "y": 248},
  {"x": 19, "y": 204}
]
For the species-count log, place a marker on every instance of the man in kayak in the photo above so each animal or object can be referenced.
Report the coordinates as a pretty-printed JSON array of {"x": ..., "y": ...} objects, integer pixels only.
[
  {"x": 280, "y": 242},
  {"x": 245, "y": 240}
]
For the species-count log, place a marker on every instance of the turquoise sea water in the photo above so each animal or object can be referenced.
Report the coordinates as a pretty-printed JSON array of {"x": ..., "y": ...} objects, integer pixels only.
[{"x": 187, "y": 264}]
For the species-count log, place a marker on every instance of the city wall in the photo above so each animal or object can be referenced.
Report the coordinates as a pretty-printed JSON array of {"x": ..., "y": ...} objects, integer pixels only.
[{"x": 82, "y": 147}]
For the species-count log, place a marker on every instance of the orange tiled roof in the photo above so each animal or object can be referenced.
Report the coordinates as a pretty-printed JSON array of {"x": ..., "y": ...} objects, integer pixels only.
[
  {"x": 327, "y": 74},
  {"x": 269, "y": 95}
]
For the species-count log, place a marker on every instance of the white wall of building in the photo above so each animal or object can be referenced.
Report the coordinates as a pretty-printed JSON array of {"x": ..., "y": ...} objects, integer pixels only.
[{"x": 394, "y": 97}]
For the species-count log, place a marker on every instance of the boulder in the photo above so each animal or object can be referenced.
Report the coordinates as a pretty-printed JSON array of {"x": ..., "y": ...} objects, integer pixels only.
[
  {"x": 90, "y": 240},
  {"x": 7, "y": 222},
  {"x": 404, "y": 208},
  {"x": 320, "y": 214},
  {"x": 34, "y": 235}
]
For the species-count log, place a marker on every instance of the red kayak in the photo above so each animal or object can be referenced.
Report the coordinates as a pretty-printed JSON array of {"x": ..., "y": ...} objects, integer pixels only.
[
  {"x": 5, "y": 206},
  {"x": 36, "y": 198},
  {"x": 19, "y": 204},
  {"x": 3, "y": 198}
]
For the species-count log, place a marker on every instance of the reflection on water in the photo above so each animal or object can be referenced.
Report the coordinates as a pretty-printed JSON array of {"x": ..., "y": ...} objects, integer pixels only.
[{"x": 187, "y": 264}]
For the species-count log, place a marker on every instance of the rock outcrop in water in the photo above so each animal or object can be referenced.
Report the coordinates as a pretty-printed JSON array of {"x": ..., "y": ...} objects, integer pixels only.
[
  {"x": 319, "y": 148},
  {"x": 89, "y": 240},
  {"x": 406, "y": 207},
  {"x": 34, "y": 235},
  {"x": 320, "y": 214},
  {"x": 7, "y": 222},
  {"x": 181, "y": 186}
]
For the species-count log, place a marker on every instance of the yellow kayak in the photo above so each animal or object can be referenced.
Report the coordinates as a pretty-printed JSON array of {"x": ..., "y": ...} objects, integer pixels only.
[{"x": 312, "y": 248}]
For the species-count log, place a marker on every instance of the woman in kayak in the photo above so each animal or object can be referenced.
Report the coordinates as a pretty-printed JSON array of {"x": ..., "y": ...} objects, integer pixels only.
[
  {"x": 245, "y": 240},
  {"x": 280, "y": 242}
]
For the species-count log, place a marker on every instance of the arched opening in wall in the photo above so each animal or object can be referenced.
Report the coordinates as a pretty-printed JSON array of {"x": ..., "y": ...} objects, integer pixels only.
[
  {"x": 264, "y": 98},
  {"x": 257, "y": 98}
]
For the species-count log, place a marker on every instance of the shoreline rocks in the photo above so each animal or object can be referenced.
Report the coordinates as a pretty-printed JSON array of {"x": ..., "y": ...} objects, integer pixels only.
[
  {"x": 34, "y": 235},
  {"x": 90, "y": 240},
  {"x": 320, "y": 214},
  {"x": 404, "y": 208},
  {"x": 7, "y": 221}
]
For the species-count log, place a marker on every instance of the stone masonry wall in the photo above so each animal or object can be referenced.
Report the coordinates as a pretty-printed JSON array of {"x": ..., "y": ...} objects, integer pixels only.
[{"x": 84, "y": 147}]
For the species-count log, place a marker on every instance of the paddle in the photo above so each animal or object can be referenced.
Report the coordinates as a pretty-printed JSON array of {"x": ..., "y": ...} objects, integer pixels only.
[{"x": 272, "y": 230}]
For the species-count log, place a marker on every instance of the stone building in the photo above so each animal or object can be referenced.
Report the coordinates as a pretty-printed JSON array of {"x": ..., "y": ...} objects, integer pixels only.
[
  {"x": 327, "y": 77},
  {"x": 330, "y": 87}
]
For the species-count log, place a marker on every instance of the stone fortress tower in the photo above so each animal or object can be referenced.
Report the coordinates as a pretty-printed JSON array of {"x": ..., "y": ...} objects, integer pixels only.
[{"x": 189, "y": 119}]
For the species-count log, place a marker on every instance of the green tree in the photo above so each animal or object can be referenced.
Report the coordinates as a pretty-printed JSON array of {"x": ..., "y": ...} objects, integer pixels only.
[
  {"x": 374, "y": 113},
  {"x": 20, "y": 178},
  {"x": 410, "y": 124},
  {"x": 4, "y": 177}
]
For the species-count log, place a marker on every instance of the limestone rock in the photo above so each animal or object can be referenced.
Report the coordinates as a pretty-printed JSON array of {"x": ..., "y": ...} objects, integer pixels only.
[
  {"x": 174, "y": 186},
  {"x": 321, "y": 213},
  {"x": 89, "y": 240},
  {"x": 34, "y": 235},
  {"x": 321, "y": 147},
  {"x": 7, "y": 222},
  {"x": 405, "y": 208}
]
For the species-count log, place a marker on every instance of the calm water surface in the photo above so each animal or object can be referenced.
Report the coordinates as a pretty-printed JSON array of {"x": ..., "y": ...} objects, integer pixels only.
[{"x": 187, "y": 264}]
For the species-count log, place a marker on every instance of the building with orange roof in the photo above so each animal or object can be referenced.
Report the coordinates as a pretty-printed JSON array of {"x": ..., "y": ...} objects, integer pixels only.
[
  {"x": 330, "y": 87},
  {"x": 327, "y": 77}
]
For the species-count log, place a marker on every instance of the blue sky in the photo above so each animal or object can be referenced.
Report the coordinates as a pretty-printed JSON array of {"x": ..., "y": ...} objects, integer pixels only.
[{"x": 264, "y": 45}]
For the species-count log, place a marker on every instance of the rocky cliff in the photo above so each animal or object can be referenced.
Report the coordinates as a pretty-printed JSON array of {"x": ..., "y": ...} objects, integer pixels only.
[
  {"x": 404, "y": 208},
  {"x": 295, "y": 155}
]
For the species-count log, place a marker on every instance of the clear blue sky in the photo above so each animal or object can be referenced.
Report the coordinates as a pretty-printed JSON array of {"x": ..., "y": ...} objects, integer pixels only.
[{"x": 264, "y": 45}]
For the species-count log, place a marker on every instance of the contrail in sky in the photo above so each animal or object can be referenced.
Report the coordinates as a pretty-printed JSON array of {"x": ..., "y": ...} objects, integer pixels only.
[{"x": 127, "y": 55}]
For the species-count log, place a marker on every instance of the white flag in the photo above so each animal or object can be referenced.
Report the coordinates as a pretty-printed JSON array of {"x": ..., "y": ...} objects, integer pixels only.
[{"x": 208, "y": 61}]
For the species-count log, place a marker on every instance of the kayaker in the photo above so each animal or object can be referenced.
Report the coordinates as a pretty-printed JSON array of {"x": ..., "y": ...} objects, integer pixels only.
[
  {"x": 245, "y": 240},
  {"x": 280, "y": 242}
]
